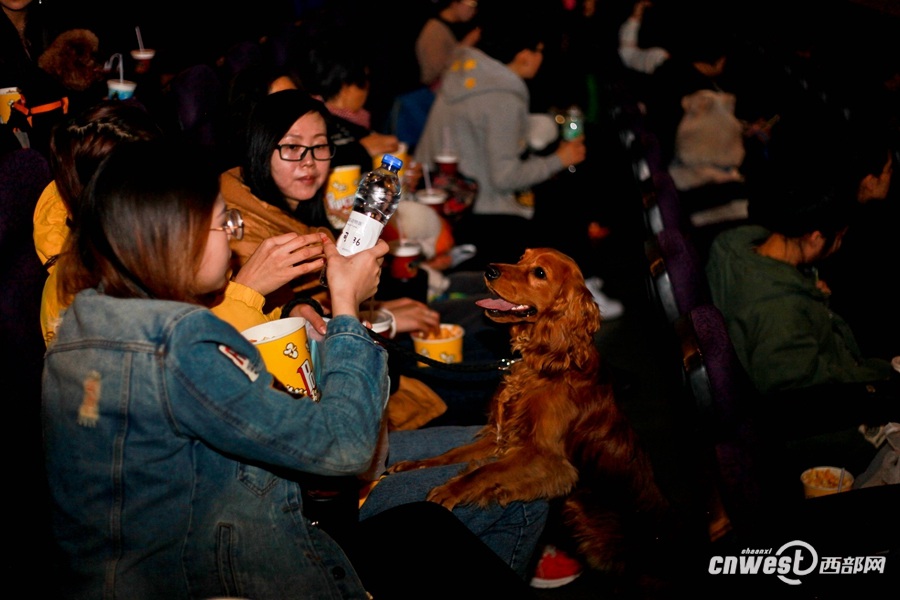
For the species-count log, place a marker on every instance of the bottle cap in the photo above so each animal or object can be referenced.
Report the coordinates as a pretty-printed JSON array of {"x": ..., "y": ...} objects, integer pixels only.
[{"x": 392, "y": 162}]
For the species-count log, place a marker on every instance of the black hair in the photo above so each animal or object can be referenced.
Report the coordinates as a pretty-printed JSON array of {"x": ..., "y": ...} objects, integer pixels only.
[
  {"x": 503, "y": 41},
  {"x": 330, "y": 67},
  {"x": 800, "y": 199},
  {"x": 270, "y": 119},
  {"x": 144, "y": 223}
]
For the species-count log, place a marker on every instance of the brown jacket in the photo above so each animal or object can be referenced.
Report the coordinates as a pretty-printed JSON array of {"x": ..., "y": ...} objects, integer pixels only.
[
  {"x": 261, "y": 221},
  {"x": 414, "y": 403}
]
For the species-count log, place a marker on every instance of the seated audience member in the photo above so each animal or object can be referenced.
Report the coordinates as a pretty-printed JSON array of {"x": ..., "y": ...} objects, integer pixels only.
[
  {"x": 438, "y": 39},
  {"x": 339, "y": 76},
  {"x": 77, "y": 148},
  {"x": 698, "y": 63},
  {"x": 799, "y": 353},
  {"x": 482, "y": 112},
  {"x": 632, "y": 54},
  {"x": 152, "y": 399},
  {"x": 864, "y": 291},
  {"x": 279, "y": 188},
  {"x": 27, "y": 28}
]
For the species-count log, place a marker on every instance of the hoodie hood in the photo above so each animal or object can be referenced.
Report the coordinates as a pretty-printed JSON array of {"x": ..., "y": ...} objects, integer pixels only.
[
  {"x": 735, "y": 271},
  {"x": 473, "y": 73}
]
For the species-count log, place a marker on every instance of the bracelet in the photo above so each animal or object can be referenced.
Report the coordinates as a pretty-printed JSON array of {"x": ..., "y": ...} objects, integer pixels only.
[{"x": 298, "y": 300}]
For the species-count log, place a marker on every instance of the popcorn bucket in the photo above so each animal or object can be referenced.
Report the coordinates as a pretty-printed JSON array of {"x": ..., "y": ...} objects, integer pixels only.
[
  {"x": 284, "y": 347},
  {"x": 340, "y": 191},
  {"x": 445, "y": 346}
]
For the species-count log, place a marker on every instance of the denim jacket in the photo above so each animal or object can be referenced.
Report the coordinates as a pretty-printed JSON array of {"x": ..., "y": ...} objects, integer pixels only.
[{"x": 164, "y": 439}]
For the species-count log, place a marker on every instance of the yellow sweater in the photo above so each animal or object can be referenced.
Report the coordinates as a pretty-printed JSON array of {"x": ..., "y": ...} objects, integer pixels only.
[
  {"x": 240, "y": 306},
  {"x": 263, "y": 220}
]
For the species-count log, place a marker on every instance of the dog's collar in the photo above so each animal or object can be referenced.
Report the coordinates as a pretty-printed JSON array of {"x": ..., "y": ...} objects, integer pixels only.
[{"x": 507, "y": 363}]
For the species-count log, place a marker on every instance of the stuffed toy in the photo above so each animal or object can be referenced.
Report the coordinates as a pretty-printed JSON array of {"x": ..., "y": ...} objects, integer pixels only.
[
  {"x": 71, "y": 59},
  {"x": 420, "y": 223},
  {"x": 709, "y": 143}
]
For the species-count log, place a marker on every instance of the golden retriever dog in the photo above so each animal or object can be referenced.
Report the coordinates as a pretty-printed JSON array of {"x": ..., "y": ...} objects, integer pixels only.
[{"x": 554, "y": 429}]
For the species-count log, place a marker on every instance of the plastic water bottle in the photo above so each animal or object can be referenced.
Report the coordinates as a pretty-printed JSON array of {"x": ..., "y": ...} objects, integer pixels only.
[
  {"x": 376, "y": 201},
  {"x": 572, "y": 127},
  {"x": 573, "y": 124}
]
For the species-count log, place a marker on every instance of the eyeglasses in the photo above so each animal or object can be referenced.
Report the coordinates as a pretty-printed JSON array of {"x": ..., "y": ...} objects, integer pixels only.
[
  {"x": 297, "y": 152},
  {"x": 234, "y": 224}
]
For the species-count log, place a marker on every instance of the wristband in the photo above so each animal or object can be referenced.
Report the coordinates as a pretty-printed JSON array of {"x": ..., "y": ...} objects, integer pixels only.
[{"x": 287, "y": 308}]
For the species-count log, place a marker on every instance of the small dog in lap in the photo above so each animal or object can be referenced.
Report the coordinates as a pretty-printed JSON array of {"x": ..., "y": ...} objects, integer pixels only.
[{"x": 555, "y": 430}]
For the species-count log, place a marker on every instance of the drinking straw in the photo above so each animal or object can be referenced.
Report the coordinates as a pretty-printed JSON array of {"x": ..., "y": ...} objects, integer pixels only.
[
  {"x": 137, "y": 30},
  {"x": 841, "y": 481},
  {"x": 108, "y": 65},
  {"x": 426, "y": 173},
  {"x": 446, "y": 141}
]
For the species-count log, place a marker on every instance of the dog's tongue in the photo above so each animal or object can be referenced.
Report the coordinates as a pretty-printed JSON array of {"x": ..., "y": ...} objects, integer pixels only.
[{"x": 495, "y": 304}]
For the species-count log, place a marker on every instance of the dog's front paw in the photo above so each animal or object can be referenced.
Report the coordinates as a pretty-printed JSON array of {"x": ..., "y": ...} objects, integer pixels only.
[
  {"x": 460, "y": 491},
  {"x": 405, "y": 465},
  {"x": 444, "y": 496}
]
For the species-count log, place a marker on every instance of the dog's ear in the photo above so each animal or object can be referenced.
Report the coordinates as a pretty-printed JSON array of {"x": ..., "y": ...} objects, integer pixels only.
[
  {"x": 585, "y": 318},
  {"x": 564, "y": 338}
]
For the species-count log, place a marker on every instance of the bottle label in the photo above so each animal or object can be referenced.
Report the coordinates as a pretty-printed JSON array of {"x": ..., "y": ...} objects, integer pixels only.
[{"x": 360, "y": 233}]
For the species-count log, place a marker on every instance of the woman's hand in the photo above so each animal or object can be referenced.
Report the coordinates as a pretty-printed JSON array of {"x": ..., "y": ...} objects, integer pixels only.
[
  {"x": 316, "y": 321},
  {"x": 573, "y": 152},
  {"x": 354, "y": 278},
  {"x": 380, "y": 143},
  {"x": 471, "y": 38},
  {"x": 412, "y": 315},
  {"x": 279, "y": 260}
]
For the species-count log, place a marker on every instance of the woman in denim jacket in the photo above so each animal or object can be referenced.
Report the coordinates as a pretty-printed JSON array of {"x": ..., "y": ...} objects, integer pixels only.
[
  {"x": 158, "y": 416},
  {"x": 169, "y": 452}
]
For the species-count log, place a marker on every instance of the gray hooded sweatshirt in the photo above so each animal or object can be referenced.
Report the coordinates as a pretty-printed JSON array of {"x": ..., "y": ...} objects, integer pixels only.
[{"x": 481, "y": 111}]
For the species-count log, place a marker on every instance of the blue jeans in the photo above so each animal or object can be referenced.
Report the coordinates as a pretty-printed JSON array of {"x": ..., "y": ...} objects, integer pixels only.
[{"x": 512, "y": 531}]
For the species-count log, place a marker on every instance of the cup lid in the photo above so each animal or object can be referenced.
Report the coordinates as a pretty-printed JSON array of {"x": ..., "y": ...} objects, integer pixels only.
[
  {"x": 405, "y": 248},
  {"x": 432, "y": 196}
]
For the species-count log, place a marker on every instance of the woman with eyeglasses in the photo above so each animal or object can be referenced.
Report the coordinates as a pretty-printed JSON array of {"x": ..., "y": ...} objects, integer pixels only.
[
  {"x": 171, "y": 457},
  {"x": 279, "y": 188},
  {"x": 77, "y": 146}
]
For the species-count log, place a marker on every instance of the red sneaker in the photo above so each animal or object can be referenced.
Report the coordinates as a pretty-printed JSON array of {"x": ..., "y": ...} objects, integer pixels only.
[{"x": 555, "y": 569}]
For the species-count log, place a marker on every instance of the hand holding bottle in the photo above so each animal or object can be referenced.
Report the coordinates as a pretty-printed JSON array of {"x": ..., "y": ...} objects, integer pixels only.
[
  {"x": 572, "y": 130},
  {"x": 352, "y": 279},
  {"x": 572, "y": 153},
  {"x": 376, "y": 201}
]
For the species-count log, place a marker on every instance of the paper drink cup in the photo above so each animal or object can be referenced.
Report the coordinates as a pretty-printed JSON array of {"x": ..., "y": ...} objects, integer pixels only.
[
  {"x": 434, "y": 197},
  {"x": 142, "y": 55},
  {"x": 405, "y": 257},
  {"x": 445, "y": 347},
  {"x": 822, "y": 481},
  {"x": 142, "y": 58},
  {"x": 8, "y": 97},
  {"x": 120, "y": 89},
  {"x": 340, "y": 191},
  {"x": 402, "y": 153},
  {"x": 284, "y": 347},
  {"x": 381, "y": 320}
]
